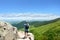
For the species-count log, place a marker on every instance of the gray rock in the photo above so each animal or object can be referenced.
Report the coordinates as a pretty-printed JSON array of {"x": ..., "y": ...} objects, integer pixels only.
[{"x": 8, "y": 32}]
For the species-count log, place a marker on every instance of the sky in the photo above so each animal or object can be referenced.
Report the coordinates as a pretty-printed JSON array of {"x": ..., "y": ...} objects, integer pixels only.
[{"x": 44, "y": 7}]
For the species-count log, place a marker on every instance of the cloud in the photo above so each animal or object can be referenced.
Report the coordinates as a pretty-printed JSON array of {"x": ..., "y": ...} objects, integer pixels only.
[{"x": 28, "y": 16}]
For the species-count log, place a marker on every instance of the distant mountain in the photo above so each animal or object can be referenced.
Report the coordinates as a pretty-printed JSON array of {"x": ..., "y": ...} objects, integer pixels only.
[
  {"x": 49, "y": 31},
  {"x": 32, "y": 23}
]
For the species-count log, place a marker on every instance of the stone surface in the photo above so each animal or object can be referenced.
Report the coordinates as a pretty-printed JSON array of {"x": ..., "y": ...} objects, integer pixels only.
[
  {"x": 21, "y": 35},
  {"x": 8, "y": 32}
]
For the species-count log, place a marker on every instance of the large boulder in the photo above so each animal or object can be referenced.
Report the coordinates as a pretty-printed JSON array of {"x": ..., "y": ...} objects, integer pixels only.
[{"x": 7, "y": 31}]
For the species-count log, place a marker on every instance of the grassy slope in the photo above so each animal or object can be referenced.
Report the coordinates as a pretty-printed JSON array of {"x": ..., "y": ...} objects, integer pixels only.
[
  {"x": 45, "y": 30},
  {"x": 32, "y": 23}
]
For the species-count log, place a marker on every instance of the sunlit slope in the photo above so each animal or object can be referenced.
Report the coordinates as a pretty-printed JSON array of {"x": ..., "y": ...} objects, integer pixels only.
[{"x": 46, "y": 30}]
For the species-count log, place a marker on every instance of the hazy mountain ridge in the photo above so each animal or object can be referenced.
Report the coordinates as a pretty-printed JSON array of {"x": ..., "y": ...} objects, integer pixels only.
[{"x": 33, "y": 23}]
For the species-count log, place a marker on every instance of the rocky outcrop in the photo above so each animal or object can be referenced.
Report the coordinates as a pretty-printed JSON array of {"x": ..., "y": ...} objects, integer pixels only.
[
  {"x": 8, "y": 32},
  {"x": 21, "y": 36}
]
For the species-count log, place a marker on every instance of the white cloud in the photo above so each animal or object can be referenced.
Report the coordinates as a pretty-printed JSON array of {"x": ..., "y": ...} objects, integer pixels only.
[{"x": 28, "y": 16}]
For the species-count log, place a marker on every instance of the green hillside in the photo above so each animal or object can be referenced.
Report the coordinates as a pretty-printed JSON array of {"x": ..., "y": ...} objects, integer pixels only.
[
  {"x": 20, "y": 25},
  {"x": 47, "y": 32},
  {"x": 33, "y": 23}
]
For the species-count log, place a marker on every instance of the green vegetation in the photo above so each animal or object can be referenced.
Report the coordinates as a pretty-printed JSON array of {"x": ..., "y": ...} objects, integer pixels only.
[
  {"x": 47, "y": 32},
  {"x": 43, "y": 30},
  {"x": 20, "y": 25}
]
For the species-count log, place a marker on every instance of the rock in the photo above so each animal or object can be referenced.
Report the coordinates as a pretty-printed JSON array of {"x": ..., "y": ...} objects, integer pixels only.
[
  {"x": 8, "y": 32},
  {"x": 21, "y": 35}
]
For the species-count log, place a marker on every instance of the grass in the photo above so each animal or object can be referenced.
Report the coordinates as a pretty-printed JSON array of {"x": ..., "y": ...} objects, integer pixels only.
[{"x": 47, "y": 32}]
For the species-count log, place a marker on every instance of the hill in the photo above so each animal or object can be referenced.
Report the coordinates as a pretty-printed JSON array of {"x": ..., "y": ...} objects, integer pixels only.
[
  {"x": 49, "y": 31},
  {"x": 20, "y": 25}
]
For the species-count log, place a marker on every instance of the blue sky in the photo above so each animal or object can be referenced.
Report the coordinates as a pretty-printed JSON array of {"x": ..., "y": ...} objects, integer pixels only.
[
  {"x": 30, "y": 6},
  {"x": 35, "y": 6}
]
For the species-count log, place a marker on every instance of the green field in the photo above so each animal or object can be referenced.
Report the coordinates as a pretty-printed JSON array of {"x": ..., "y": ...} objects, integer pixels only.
[{"x": 47, "y": 32}]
